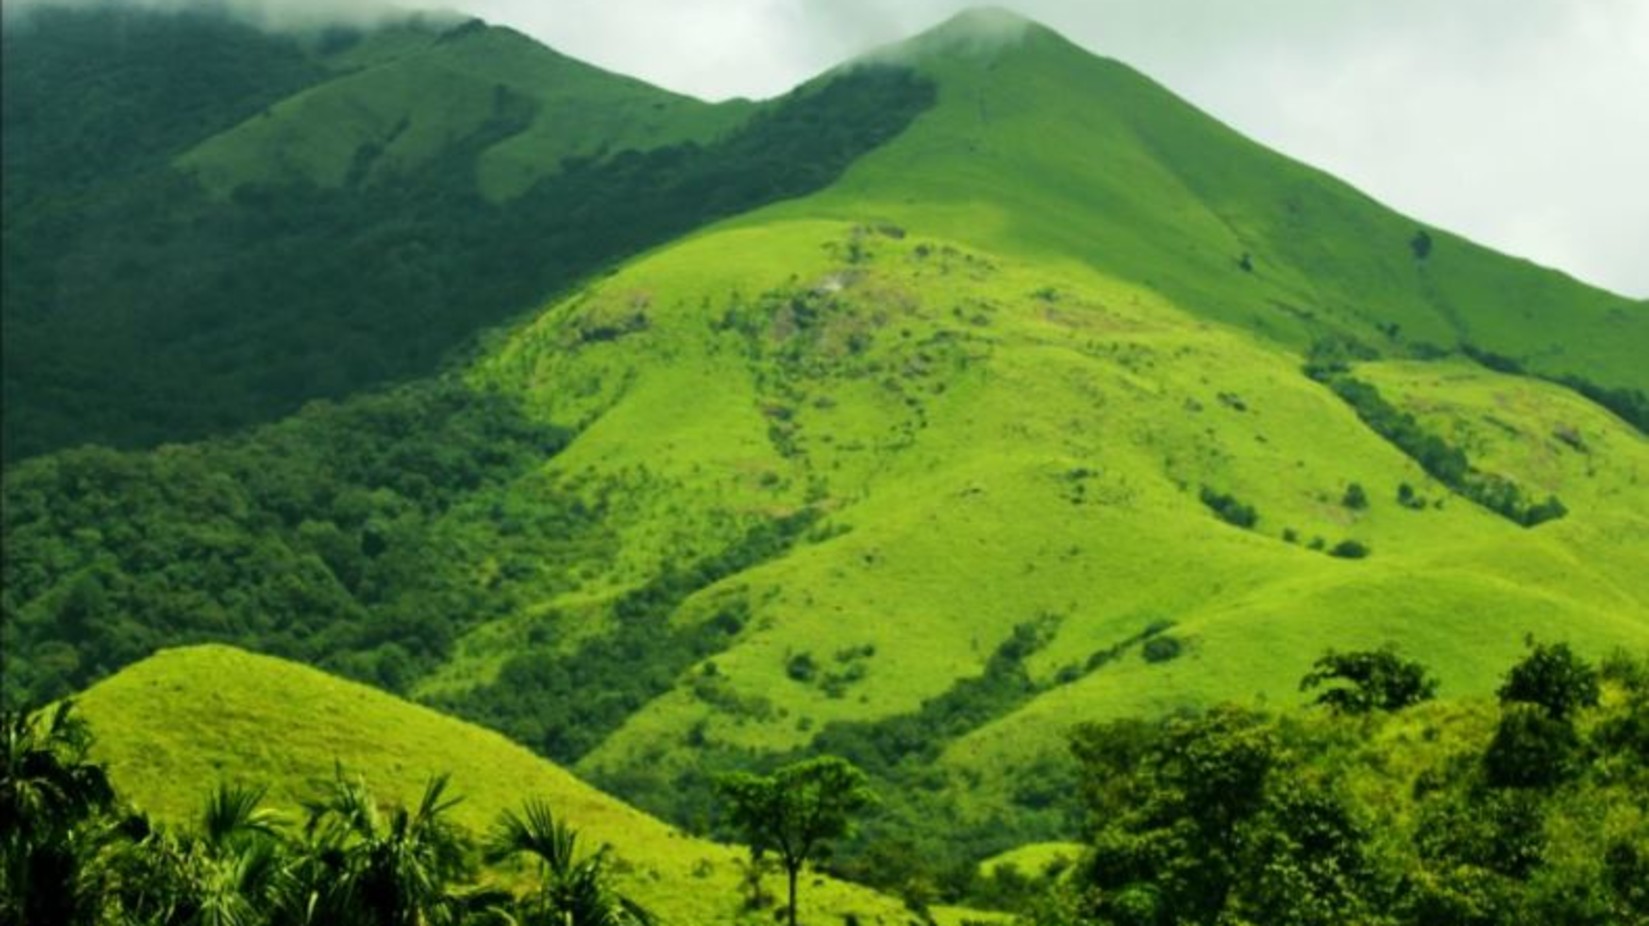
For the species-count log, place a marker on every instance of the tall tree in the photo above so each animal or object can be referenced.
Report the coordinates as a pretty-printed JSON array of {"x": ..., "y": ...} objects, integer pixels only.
[{"x": 797, "y": 811}]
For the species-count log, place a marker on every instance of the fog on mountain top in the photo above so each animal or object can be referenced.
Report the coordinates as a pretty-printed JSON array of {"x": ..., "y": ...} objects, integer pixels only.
[{"x": 268, "y": 14}]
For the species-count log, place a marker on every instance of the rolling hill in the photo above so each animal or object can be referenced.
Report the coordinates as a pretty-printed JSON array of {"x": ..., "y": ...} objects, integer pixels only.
[
  {"x": 1055, "y": 400},
  {"x": 172, "y": 725}
]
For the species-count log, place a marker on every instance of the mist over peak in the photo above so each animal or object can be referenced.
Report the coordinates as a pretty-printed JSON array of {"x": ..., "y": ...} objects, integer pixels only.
[
  {"x": 978, "y": 32},
  {"x": 271, "y": 15}
]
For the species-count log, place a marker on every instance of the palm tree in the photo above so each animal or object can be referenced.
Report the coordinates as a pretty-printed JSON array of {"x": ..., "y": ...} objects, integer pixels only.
[
  {"x": 233, "y": 870},
  {"x": 49, "y": 795},
  {"x": 366, "y": 867},
  {"x": 573, "y": 891}
]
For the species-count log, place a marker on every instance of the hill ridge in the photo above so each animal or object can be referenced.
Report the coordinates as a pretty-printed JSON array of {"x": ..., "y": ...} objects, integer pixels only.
[{"x": 171, "y": 725}]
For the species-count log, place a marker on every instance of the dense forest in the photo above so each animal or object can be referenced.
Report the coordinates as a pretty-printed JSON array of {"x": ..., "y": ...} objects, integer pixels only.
[
  {"x": 1380, "y": 807},
  {"x": 140, "y": 309},
  {"x": 330, "y": 558}
]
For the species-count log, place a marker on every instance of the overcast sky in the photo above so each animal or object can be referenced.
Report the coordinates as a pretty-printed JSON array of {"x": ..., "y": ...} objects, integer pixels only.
[{"x": 1523, "y": 124}]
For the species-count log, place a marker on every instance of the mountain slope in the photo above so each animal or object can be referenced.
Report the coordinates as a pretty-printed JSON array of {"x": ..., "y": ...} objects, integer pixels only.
[
  {"x": 414, "y": 186},
  {"x": 1006, "y": 362},
  {"x": 171, "y": 726},
  {"x": 397, "y": 115},
  {"x": 1041, "y": 149}
]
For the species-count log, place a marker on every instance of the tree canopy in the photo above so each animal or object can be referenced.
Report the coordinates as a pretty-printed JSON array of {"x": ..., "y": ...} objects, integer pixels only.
[{"x": 796, "y": 811}]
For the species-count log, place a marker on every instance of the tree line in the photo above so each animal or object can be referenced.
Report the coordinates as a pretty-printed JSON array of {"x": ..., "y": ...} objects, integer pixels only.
[{"x": 1374, "y": 814}]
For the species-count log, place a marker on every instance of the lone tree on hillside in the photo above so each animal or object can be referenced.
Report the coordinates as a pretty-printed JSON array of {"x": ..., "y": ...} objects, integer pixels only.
[
  {"x": 1421, "y": 244},
  {"x": 1369, "y": 681},
  {"x": 1554, "y": 678},
  {"x": 796, "y": 810}
]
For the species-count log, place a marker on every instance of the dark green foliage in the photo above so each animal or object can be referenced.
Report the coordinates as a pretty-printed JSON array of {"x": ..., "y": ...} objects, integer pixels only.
[
  {"x": 1350, "y": 549},
  {"x": 1171, "y": 806},
  {"x": 1500, "y": 832},
  {"x": 1370, "y": 680},
  {"x": 797, "y": 811},
  {"x": 801, "y": 667},
  {"x": 289, "y": 292},
  {"x": 1499, "y": 363},
  {"x": 1421, "y": 244},
  {"x": 1164, "y": 648},
  {"x": 384, "y": 869},
  {"x": 1531, "y": 749},
  {"x": 312, "y": 540},
  {"x": 76, "y": 79},
  {"x": 1355, "y": 498},
  {"x": 49, "y": 791},
  {"x": 70, "y": 855},
  {"x": 564, "y": 704},
  {"x": 1229, "y": 817},
  {"x": 1332, "y": 356},
  {"x": 916, "y": 739},
  {"x": 1446, "y": 463},
  {"x": 1310, "y": 856},
  {"x": 1229, "y": 509},
  {"x": 1552, "y": 678},
  {"x": 1408, "y": 498}
]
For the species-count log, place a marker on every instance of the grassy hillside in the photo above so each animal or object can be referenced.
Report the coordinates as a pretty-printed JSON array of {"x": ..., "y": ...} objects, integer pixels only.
[
  {"x": 992, "y": 443},
  {"x": 171, "y": 726},
  {"x": 399, "y": 114},
  {"x": 1042, "y": 150}
]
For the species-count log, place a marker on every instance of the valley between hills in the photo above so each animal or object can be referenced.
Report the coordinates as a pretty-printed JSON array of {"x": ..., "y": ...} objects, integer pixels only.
[{"x": 980, "y": 412}]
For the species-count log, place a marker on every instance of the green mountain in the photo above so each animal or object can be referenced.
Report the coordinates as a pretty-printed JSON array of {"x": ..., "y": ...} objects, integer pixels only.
[
  {"x": 1061, "y": 402},
  {"x": 1014, "y": 367},
  {"x": 286, "y": 217}
]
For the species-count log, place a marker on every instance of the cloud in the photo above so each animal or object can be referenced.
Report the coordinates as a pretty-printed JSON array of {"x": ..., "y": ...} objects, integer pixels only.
[{"x": 280, "y": 15}]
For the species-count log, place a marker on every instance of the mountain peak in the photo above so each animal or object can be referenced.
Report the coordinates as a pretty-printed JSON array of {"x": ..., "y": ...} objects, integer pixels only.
[
  {"x": 987, "y": 20},
  {"x": 977, "y": 30}
]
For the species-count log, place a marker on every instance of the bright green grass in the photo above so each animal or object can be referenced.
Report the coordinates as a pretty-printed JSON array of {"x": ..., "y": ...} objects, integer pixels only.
[
  {"x": 1042, "y": 150},
  {"x": 1035, "y": 859},
  {"x": 947, "y": 448},
  {"x": 413, "y": 95},
  {"x": 170, "y": 727}
]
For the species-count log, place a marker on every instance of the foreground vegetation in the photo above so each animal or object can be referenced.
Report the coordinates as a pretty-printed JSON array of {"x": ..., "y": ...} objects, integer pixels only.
[
  {"x": 1533, "y": 813},
  {"x": 1380, "y": 807},
  {"x": 72, "y": 854}
]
